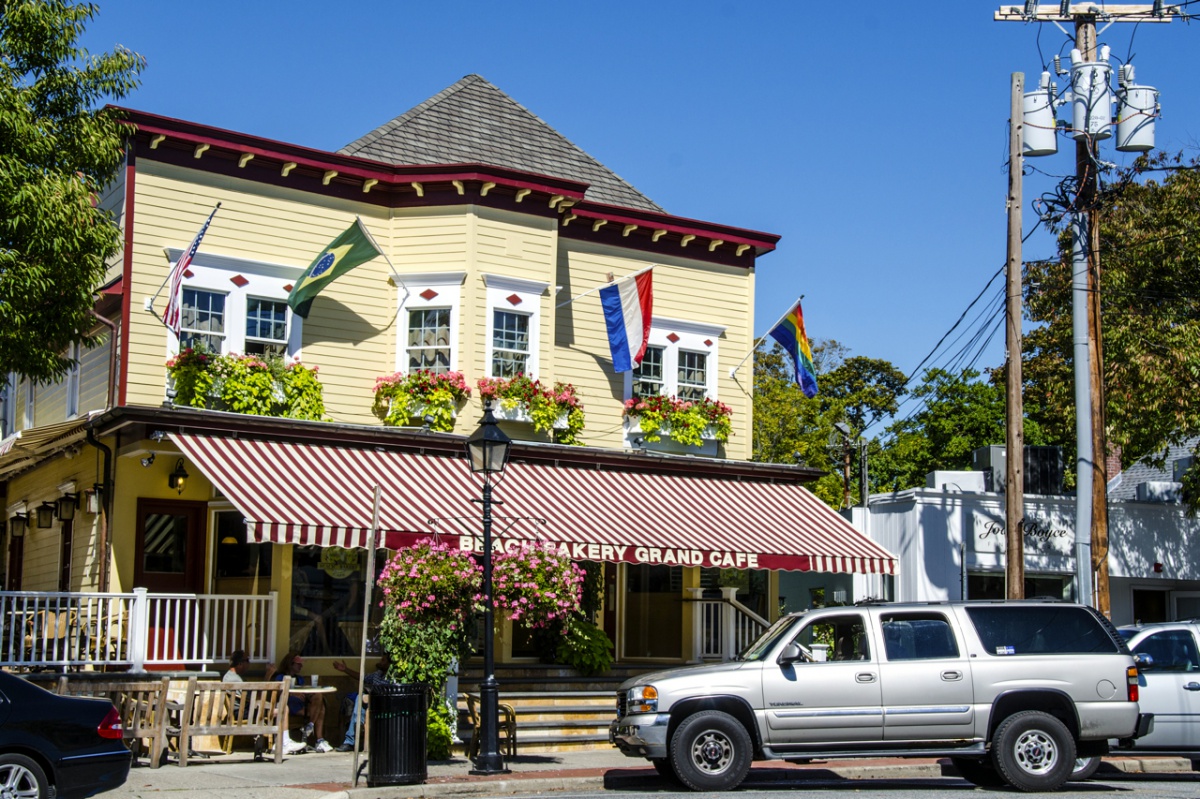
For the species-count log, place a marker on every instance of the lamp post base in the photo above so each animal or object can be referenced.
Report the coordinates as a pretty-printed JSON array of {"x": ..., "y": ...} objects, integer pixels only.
[{"x": 489, "y": 764}]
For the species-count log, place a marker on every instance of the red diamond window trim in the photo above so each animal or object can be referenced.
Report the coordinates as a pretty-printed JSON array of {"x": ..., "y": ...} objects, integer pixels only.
[
  {"x": 672, "y": 338},
  {"x": 188, "y": 273},
  {"x": 513, "y": 299},
  {"x": 428, "y": 294},
  {"x": 288, "y": 287},
  {"x": 708, "y": 342},
  {"x": 238, "y": 281}
]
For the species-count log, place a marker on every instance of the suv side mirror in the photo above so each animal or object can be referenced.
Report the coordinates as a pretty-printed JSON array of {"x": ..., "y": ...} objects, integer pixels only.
[
  {"x": 794, "y": 653},
  {"x": 1144, "y": 659}
]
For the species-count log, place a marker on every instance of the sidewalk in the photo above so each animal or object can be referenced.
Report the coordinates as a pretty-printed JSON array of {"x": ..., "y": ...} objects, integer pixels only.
[{"x": 328, "y": 776}]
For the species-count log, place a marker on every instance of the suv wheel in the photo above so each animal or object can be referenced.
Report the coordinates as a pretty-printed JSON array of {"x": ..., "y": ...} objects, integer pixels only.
[
  {"x": 1033, "y": 751},
  {"x": 977, "y": 772},
  {"x": 711, "y": 751}
]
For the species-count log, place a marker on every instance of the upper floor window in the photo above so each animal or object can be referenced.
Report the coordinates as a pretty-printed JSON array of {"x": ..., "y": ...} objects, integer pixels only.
[
  {"x": 680, "y": 361},
  {"x": 514, "y": 325},
  {"x": 429, "y": 307},
  {"x": 510, "y": 343},
  {"x": 266, "y": 326},
  {"x": 231, "y": 305},
  {"x": 8, "y": 407},
  {"x": 202, "y": 322},
  {"x": 429, "y": 340}
]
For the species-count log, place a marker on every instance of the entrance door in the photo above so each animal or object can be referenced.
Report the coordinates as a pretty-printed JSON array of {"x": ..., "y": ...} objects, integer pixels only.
[
  {"x": 170, "y": 546},
  {"x": 1187, "y": 604},
  {"x": 653, "y": 612}
]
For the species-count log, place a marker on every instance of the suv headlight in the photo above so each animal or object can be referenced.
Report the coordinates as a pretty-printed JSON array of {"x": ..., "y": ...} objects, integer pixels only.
[{"x": 643, "y": 699}]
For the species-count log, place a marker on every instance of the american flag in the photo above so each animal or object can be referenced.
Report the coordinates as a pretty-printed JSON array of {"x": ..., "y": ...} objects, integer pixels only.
[{"x": 173, "y": 315}]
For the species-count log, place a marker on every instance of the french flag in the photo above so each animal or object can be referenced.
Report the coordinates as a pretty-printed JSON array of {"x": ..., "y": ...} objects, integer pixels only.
[{"x": 628, "y": 305}]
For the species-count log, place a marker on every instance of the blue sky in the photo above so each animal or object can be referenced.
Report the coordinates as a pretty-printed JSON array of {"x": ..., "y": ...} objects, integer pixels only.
[{"x": 873, "y": 139}]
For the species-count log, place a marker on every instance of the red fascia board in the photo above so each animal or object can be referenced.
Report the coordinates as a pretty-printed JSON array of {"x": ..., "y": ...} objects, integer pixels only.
[
  {"x": 626, "y": 216},
  {"x": 362, "y": 168}
]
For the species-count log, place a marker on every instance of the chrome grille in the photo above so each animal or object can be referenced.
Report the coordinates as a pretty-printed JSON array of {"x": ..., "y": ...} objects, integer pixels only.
[{"x": 622, "y": 703}]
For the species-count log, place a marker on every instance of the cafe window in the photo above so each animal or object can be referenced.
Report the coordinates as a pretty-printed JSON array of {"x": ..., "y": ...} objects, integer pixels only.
[
  {"x": 327, "y": 601},
  {"x": 237, "y": 556}
]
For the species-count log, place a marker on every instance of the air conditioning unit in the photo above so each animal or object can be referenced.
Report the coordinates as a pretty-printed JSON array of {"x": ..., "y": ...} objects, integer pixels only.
[
  {"x": 1161, "y": 491},
  {"x": 1043, "y": 468}
]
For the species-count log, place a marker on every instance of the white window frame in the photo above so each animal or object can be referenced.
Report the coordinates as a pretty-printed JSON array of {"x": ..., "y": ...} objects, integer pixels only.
[
  {"x": 72, "y": 382},
  {"x": 214, "y": 273},
  {"x": 529, "y": 293},
  {"x": 447, "y": 286},
  {"x": 691, "y": 337}
]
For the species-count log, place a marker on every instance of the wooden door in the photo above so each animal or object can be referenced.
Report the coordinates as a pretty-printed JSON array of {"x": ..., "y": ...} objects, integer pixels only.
[{"x": 170, "y": 546}]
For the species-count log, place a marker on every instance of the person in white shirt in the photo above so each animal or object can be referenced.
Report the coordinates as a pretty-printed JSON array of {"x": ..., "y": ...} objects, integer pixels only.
[{"x": 238, "y": 663}]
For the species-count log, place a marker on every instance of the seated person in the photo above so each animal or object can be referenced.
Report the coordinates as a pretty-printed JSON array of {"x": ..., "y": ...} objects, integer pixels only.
[
  {"x": 238, "y": 663},
  {"x": 377, "y": 677},
  {"x": 311, "y": 708}
]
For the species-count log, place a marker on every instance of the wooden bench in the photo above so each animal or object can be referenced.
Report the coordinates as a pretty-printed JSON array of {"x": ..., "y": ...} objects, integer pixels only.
[
  {"x": 211, "y": 707},
  {"x": 142, "y": 706}
]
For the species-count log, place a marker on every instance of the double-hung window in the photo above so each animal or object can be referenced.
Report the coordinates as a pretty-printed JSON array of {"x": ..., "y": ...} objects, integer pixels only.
[
  {"x": 202, "y": 321},
  {"x": 514, "y": 325},
  {"x": 266, "y": 326},
  {"x": 429, "y": 310}
]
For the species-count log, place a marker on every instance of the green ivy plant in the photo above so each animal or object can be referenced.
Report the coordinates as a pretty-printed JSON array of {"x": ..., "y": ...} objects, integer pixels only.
[
  {"x": 585, "y": 648},
  {"x": 545, "y": 406},
  {"x": 405, "y": 398},
  {"x": 683, "y": 421},
  {"x": 246, "y": 384}
]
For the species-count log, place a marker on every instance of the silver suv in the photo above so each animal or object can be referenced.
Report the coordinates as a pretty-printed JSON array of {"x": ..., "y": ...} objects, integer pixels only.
[{"x": 1012, "y": 692}]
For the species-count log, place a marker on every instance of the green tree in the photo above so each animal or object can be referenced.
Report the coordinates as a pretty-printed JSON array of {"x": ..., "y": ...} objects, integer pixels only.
[
  {"x": 57, "y": 151},
  {"x": 1150, "y": 314},
  {"x": 958, "y": 414}
]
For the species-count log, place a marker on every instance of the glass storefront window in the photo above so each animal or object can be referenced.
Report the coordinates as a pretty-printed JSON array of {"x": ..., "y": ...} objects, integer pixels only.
[{"x": 327, "y": 601}]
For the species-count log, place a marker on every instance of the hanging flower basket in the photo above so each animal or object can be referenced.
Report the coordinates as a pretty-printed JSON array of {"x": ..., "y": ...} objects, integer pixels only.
[{"x": 511, "y": 411}]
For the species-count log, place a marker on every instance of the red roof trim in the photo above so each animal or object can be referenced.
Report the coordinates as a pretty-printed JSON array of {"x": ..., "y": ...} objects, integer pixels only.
[{"x": 399, "y": 176}]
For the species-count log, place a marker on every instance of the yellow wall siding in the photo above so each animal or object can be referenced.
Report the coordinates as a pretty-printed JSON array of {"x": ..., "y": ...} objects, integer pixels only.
[
  {"x": 275, "y": 226},
  {"x": 93, "y": 376},
  {"x": 51, "y": 402},
  {"x": 42, "y": 546},
  {"x": 582, "y": 340},
  {"x": 112, "y": 200}
]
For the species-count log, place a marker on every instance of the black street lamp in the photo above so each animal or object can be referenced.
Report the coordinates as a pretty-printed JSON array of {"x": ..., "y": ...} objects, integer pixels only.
[{"x": 487, "y": 451}]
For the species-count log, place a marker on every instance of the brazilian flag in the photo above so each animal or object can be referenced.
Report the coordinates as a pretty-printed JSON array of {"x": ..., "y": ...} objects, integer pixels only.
[{"x": 353, "y": 247}]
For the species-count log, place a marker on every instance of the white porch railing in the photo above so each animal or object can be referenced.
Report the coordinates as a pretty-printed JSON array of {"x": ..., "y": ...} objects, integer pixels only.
[
  {"x": 40, "y": 629},
  {"x": 721, "y": 628}
]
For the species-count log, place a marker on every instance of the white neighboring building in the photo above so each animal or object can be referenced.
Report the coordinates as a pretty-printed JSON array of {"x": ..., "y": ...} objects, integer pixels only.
[{"x": 949, "y": 539}]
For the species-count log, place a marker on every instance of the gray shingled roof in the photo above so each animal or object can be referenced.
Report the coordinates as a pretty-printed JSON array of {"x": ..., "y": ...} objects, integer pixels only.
[
  {"x": 473, "y": 122},
  {"x": 1125, "y": 488}
]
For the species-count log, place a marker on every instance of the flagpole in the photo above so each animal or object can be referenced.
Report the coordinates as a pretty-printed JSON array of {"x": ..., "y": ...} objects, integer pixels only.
[
  {"x": 363, "y": 226},
  {"x": 169, "y": 271},
  {"x": 609, "y": 283},
  {"x": 791, "y": 308}
]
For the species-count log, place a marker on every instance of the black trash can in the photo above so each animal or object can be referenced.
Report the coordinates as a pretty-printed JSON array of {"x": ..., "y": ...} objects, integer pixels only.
[{"x": 398, "y": 715}]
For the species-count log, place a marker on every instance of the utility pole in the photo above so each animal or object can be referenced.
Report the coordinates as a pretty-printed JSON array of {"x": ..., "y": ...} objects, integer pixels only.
[
  {"x": 1091, "y": 498},
  {"x": 1014, "y": 461}
]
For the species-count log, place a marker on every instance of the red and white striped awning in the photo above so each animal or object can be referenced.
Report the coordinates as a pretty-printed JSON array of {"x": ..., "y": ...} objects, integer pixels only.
[{"x": 324, "y": 495}]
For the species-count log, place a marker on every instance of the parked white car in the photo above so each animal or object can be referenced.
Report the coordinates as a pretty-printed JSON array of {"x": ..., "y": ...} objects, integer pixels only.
[{"x": 1168, "y": 656}]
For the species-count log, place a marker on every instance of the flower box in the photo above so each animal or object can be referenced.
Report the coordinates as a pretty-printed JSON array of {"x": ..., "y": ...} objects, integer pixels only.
[
  {"x": 633, "y": 427},
  {"x": 520, "y": 413}
]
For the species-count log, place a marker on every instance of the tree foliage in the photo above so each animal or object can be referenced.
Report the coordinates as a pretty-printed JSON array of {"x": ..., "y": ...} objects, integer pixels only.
[
  {"x": 1149, "y": 268},
  {"x": 959, "y": 413},
  {"x": 57, "y": 151}
]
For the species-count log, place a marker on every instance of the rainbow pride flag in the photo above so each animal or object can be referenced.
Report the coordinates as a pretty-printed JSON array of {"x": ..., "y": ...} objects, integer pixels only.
[{"x": 790, "y": 335}]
